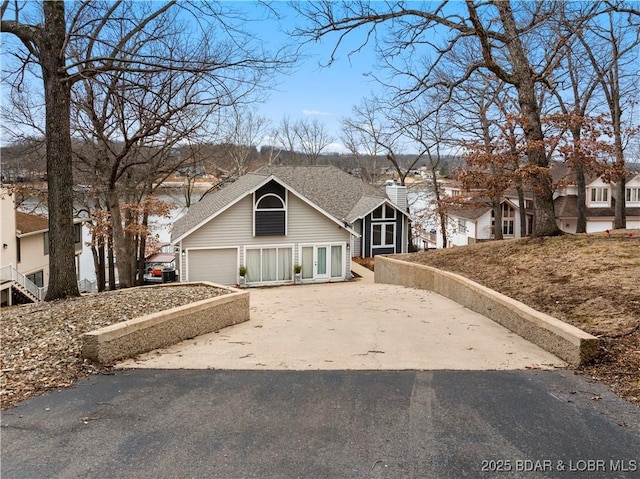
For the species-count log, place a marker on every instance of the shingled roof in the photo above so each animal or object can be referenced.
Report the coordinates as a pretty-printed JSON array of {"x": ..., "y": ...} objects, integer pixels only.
[
  {"x": 337, "y": 193},
  {"x": 214, "y": 202},
  {"x": 27, "y": 224}
]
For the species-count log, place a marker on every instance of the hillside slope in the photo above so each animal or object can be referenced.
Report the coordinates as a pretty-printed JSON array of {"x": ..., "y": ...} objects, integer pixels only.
[{"x": 590, "y": 281}]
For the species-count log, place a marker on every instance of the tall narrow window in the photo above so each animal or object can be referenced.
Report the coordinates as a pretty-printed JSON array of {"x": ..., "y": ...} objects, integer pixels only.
[
  {"x": 336, "y": 261},
  {"x": 270, "y": 216},
  {"x": 77, "y": 233}
]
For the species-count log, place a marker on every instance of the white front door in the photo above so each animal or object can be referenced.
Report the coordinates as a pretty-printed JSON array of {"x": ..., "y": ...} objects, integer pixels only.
[
  {"x": 322, "y": 264},
  {"x": 322, "y": 261}
]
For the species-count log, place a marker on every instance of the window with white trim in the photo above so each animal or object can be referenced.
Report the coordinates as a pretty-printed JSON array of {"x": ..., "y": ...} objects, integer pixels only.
[
  {"x": 384, "y": 212},
  {"x": 508, "y": 227},
  {"x": 77, "y": 233},
  {"x": 383, "y": 234},
  {"x": 508, "y": 219},
  {"x": 462, "y": 226},
  {"x": 270, "y": 216},
  {"x": 600, "y": 194},
  {"x": 633, "y": 194},
  {"x": 269, "y": 264}
]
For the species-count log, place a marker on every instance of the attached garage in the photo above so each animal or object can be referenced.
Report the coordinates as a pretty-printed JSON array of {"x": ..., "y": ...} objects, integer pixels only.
[
  {"x": 598, "y": 226},
  {"x": 215, "y": 265}
]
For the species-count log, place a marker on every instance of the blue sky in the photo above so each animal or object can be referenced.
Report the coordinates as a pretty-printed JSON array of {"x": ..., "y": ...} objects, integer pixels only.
[{"x": 311, "y": 90}]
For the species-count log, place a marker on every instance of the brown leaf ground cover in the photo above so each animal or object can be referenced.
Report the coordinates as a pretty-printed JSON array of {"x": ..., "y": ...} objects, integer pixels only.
[
  {"x": 40, "y": 343},
  {"x": 590, "y": 281}
]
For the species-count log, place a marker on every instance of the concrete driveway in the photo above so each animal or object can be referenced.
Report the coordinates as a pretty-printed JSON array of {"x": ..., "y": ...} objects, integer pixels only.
[{"x": 358, "y": 325}]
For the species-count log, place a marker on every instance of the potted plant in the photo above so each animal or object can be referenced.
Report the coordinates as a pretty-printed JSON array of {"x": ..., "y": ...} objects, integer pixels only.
[
  {"x": 297, "y": 270},
  {"x": 242, "y": 271}
]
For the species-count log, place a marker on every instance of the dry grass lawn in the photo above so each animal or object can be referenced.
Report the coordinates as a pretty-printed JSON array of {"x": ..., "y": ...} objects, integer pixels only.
[{"x": 590, "y": 281}]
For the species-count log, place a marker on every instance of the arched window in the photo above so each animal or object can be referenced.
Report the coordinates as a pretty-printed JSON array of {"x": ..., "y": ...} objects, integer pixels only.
[
  {"x": 270, "y": 212},
  {"x": 270, "y": 202}
]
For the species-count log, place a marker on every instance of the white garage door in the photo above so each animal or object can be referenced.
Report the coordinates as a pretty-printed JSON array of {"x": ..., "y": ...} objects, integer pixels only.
[
  {"x": 599, "y": 226},
  {"x": 215, "y": 265}
]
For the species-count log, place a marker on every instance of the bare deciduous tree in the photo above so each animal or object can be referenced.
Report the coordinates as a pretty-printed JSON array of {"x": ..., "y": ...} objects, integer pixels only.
[
  {"x": 313, "y": 138},
  {"x": 70, "y": 45},
  {"x": 500, "y": 36},
  {"x": 243, "y": 131},
  {"x": 612, "y": 43},
  {"x": 301, "y": 140}
]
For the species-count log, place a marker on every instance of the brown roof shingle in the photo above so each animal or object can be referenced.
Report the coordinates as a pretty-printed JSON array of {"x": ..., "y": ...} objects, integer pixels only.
[{"x": 27, "y": 224}]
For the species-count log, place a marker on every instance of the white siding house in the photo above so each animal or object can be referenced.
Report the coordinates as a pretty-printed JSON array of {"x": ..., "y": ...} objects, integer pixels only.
[{"x": 472, "y": 223}]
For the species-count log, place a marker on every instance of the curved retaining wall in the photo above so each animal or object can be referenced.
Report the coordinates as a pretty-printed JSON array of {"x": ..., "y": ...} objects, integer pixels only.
[
  {"x": 565, "y": 341},
  {"x": 164, "y": 328}
]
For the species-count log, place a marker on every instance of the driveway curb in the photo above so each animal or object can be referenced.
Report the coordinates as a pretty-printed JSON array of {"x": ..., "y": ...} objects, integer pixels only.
[
  {"x": 565, "y": 341},
  {"x": 164, "y": 328}
]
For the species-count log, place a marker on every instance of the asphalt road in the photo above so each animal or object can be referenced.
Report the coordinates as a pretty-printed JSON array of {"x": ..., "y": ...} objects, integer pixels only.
[{"x": 324, "y": 424}]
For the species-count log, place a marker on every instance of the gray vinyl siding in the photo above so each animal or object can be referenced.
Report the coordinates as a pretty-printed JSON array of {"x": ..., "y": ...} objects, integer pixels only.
[
  {"x": 357, "y": 240},
  {"x": 234, "y": 227}
]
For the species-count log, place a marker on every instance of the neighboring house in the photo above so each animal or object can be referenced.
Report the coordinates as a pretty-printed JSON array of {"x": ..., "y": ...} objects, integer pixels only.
[
  {"x": 473, "y": 224},
  {"x": 24, "y": 258},
  {"x": 600, "y": 202},
  {"x": 317, "y": 217}
]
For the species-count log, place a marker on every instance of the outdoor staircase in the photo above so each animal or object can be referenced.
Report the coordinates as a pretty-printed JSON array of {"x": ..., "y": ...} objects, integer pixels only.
[
  {"x": 23, "y": 289},
  {"x": 22, "y": 295}
]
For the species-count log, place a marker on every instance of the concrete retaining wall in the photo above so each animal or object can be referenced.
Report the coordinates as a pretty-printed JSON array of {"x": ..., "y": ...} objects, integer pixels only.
[
  {"x": 164, "y": 328},
  {"x": 565, "y": 341}
]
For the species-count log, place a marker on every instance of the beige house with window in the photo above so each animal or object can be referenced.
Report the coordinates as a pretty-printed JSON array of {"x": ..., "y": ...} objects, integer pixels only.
[
  {"x": 600, "y": 204},
  {"x": 24, "y": 257}
]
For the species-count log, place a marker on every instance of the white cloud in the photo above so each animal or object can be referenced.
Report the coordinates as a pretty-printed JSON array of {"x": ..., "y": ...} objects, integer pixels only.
[
  {"x": 336, "y": 147},
  {"x": 315, "y": 113}
]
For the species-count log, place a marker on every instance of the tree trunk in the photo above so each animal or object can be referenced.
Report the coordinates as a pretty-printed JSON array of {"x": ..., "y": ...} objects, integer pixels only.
[
  {"x": 124, "y": 261},
  {"x": 497, "y": 219},
  {"x": 522, "y": 213},
  {"x": 581, "y": 184},
  {"x": 620, "y": 220},
  {"x": 142, "y": 246},
  {"x": 98, "y": 253},
  {"x": 544, "y": 221},
  {"x": 112, "y": 266},
  {"x": 100, "y": 272},
  {"x": 63, "y": 281},
  {"x": 442, "y": 214},
  {"x": 578, "y": 168},
  {"x": 620, "y": 210}
]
